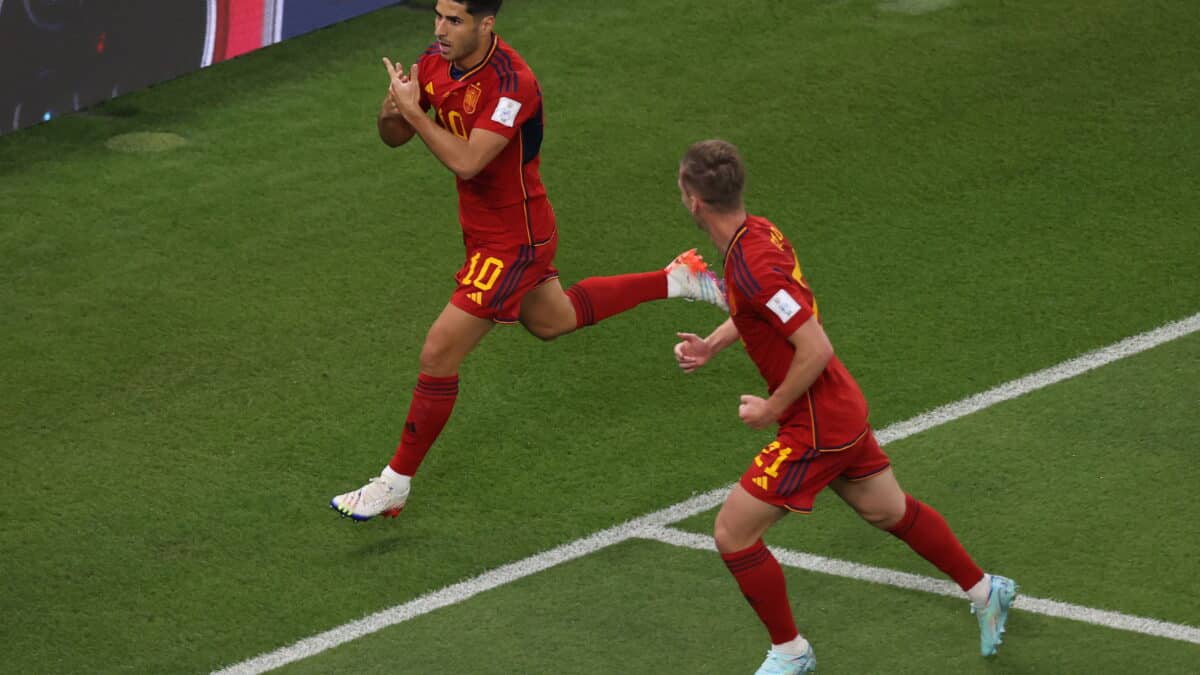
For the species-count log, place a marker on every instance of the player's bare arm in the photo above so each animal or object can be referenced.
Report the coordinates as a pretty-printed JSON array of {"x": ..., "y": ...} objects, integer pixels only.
[
  {"x": 465, "y": 158},
  {"x": 695, "y": 351},
  {"x": 813, "y": 352},
  {"x": 394, "y": 131}
]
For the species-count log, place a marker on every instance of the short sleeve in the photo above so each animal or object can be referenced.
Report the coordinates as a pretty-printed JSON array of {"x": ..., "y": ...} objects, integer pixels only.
[
  {"x": 783, "y": 303},
  {"x": 516, "y": 100}
]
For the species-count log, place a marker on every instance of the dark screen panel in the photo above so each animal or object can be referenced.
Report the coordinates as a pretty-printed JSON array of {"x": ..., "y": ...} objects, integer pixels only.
[
  {"x": 59, "y": 56},
  {"x": 64, "y": 55}
]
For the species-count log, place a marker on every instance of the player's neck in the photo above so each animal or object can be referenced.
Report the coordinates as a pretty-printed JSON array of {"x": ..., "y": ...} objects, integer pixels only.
[
  {"x": 722, "y": 227},
  {"x": 475, "y": 59}
]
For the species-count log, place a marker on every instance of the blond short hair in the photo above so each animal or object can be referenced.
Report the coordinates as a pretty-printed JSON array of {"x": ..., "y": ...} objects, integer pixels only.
[{"x": 713, "y": 171}]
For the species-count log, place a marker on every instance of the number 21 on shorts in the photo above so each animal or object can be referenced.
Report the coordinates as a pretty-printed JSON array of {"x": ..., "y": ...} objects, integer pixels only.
[{"x": 782, "y": 453}]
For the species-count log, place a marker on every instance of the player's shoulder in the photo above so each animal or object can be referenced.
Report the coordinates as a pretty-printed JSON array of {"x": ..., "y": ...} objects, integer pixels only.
[
  {"x": 430, "y": 61},
  {"x": 510, "y": 57},
  {"x": 760, "y": 257},
  {"x": 434, "y": 50},
  {"x": 763, "y": 242},
  {"x": 510, "y": 69}
]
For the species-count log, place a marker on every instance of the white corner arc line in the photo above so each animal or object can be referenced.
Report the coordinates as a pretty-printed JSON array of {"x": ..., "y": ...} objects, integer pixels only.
[
  {"x": 916, "y": 582},
  {"x": 614, "y": 535}
]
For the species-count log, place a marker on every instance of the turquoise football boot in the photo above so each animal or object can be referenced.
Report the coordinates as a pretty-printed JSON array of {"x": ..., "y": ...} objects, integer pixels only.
[
  {"x": 994, "y": 614},
  {"x": 778, "y": 663}
]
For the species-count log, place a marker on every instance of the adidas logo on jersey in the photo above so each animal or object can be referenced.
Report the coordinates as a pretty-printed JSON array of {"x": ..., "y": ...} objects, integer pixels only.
[{"x": 477, "y": 296}]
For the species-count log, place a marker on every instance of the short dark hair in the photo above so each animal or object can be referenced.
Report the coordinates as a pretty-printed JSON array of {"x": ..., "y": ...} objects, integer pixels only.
[
  {"x": 714, "y": 172},
  {"x": 481, "y": 7}
]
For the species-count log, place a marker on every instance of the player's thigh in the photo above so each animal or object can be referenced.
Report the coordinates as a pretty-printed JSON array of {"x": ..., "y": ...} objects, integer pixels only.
[
  {"x": 878, "y": 499},
  {"x": 546, "y": 311},
  {"x": 743, "y": 519},
  {"x": 451, "y": 337}
]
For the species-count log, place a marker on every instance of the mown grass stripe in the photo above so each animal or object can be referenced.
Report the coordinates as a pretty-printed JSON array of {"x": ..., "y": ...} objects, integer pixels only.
[{"x": 654, "y": 524}]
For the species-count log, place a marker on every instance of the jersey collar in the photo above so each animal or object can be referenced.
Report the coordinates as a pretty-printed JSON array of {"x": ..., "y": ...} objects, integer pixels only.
[
  {"x": 460, "y": 75},
  {"x": 737, "y": 234}
]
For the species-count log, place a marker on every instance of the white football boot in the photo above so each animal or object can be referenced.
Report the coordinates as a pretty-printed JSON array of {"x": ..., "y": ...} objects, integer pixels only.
[
  {"x": 379, "y": 497},
  {"x": 688, "y": 277}
]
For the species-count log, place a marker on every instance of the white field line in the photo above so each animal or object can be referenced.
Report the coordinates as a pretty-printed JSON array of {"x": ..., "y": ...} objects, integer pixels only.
[
  {"x": 880, "y": 575},
  {"x": 614, "y": 535},
  {"x": 1042, "y": 378},
  {"x": 466, "y": 589}
]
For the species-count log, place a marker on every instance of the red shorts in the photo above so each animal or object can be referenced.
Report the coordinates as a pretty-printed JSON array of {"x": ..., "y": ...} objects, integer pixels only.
[
  {"x": 495, "y": 277},
  {"x": 789, "y": 472}
]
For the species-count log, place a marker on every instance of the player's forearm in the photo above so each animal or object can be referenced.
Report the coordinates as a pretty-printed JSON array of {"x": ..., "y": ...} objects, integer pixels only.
[
  {"x": 813, "y": 352},
  {"x": 448, "y": 148},
  {"x": 394, "y": 131},
  {"x": 805, "y": 370},
  {"x": 721, "y": 337}
]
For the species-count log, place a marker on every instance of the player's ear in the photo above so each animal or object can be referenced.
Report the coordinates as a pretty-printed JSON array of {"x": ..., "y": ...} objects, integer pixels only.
[{"x": 488, "y": 23}]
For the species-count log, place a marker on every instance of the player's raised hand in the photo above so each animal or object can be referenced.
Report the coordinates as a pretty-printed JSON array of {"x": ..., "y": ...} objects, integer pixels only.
[
  {"x": 389, "y": 107},
  {"x": 692, "y": 352},
  {"x": 393, "y": 71},
  {"x": 403, "y": 90},
  {"x": 756, "y": 412}
]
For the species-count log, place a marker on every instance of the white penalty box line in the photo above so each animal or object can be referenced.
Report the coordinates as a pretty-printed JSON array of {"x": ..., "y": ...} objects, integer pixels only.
[{"x": 654, "y": 525}]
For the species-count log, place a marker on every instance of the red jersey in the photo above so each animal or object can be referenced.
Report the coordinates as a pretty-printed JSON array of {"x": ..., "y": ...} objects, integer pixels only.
[
  {"x": 768, "y": 300},
  {"x": 499, "y": 94}
]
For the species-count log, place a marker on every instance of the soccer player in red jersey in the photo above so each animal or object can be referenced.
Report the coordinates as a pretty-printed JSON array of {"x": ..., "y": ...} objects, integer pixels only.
[
  {"x": 824, "y": 438},
  {"x": 487, "y": 129}
]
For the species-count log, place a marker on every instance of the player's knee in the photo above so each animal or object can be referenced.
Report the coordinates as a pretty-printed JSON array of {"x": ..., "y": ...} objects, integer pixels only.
[
  {"x": 437, "y": 359},
  {"x": 547, "y": 330},
  {"x": 729, "y": 539},
  {"x": 543, "y": 332},
  {"x": 882, "y": 518}
]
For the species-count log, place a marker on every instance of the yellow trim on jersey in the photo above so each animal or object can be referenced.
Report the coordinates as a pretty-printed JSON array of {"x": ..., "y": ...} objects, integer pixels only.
[
  {"x": 812, "y": 415},
  {"x": 736, "y": 235},
  {"x": 870, "y": 475},
  {"x": 476, "y": 69},
  {"x": 847, "y": 445},
  {"x": 524, "y": 192}
]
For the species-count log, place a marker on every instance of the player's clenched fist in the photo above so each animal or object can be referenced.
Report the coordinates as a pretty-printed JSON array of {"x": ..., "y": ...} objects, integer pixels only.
[{"x": 756, "y": 412}]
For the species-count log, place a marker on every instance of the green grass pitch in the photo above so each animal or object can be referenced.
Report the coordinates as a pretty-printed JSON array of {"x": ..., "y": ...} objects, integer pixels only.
[{"x": 201, "y": 345}]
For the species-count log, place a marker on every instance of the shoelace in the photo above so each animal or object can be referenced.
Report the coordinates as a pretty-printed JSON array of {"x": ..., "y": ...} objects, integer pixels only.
[{"x": 374, "y": 481}]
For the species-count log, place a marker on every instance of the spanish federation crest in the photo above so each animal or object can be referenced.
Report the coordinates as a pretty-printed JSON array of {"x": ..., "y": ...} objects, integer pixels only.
[{"x": 471, "y": 99}]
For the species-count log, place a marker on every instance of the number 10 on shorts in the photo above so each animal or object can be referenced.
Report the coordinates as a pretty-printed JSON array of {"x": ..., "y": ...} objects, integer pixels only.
[{"x": 485, "y": 277}]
